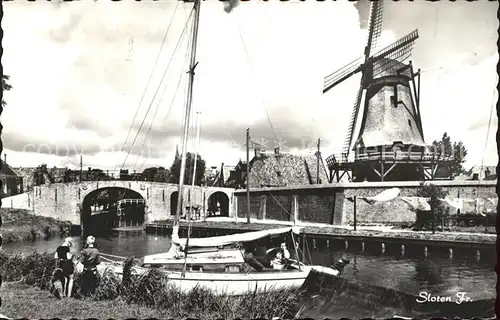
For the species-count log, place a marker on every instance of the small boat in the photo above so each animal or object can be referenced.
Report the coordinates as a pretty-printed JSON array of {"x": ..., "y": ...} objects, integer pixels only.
[{"x": 213, "y": 263}]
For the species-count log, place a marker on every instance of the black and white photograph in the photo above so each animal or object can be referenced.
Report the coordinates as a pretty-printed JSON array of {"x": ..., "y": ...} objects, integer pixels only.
[{"x": 248, "y": 159}]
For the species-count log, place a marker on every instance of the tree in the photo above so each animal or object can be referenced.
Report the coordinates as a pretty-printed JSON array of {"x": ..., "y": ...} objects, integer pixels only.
[
  {"x": 175, "y": 170},
  {"x": 5, "y": 87},
  {"x": 433, "y": 218},
  {"x": 97, "y": 175},
  {"x": 162, "y": 175},
  {"x": 455, "y": 151},
  {"x": 149, "y": 173},
  {"x": 157, "y": 174},
  {"x": 68, "y": 173}
]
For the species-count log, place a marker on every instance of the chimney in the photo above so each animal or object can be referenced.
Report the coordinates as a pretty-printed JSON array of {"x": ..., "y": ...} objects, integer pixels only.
[{"x": 257, "y": 152}]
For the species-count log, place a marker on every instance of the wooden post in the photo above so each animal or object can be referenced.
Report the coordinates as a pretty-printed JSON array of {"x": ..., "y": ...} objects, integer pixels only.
[
  {"x": 317, "y": 163},
  {"x": 248, "y": 175},
  {"x": 382, "y": 169},
  {"x": 81, "y": 168},
  {"x": 486, "y": 223},
  {"x": 295, "y": 247},
  {"x": 304, "y": 248},
  {"x": 204, "y": 207},
  {"x": 355, "y": 200},
  {"x": 433, "y": 217}
]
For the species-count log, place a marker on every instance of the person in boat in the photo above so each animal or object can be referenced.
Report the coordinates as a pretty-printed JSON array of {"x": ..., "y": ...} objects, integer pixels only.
[
  {"x": 90, "y": 259},
  {"x": 282, "y": 256},
  {"x": 248, "y": 257},
  {"x": 65, "y": 267},
  {"x": 261, "y": 255}
]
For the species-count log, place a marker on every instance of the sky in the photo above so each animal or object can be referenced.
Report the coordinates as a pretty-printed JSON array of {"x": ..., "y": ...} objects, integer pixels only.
[{"x": 78, "y": 71}]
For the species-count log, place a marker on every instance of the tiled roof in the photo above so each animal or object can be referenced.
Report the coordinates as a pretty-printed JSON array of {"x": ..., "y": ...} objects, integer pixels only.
[
  {"x": 285, "y": 170},
  {"x": 7, "y": 170}
]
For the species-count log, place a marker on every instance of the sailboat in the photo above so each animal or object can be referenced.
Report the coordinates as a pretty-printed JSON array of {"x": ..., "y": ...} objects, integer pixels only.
[{"x": 219, "y": 263}]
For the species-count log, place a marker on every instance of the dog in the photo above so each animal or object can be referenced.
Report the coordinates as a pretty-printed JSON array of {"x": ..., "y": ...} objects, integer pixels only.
[{"x": 58, "y": 282}]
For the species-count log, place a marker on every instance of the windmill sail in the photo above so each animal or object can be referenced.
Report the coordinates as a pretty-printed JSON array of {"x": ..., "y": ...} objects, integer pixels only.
[
  {"x": 374, "y": 32},
  {"x": 375, "y": 25},
  {"x": 352, "y": 124}
]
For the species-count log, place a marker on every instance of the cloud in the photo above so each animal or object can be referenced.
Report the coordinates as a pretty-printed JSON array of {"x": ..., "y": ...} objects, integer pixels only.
[{"x": 260, "y": 67}]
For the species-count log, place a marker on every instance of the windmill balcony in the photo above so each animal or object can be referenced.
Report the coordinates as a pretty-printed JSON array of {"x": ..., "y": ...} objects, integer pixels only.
[
  {"x": 335, "y": 160},
  {"x": 399, "y": 155}
]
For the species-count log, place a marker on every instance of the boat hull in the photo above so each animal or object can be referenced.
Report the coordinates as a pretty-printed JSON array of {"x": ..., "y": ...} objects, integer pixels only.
[
  {"x": 225, "y": 283},
  {"x": 240, "y": 283}
]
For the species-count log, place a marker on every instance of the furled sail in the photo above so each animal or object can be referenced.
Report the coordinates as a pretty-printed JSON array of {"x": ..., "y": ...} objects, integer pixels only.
[{"x": 235, "y": 238}]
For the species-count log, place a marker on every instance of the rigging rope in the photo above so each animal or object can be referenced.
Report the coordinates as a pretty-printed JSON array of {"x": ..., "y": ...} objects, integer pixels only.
[
  {"x": 149, "y": 80},
  {"x": 164, "y": 121},
  {"x": 489, "y": 126},
  {"x": 156, "y": 110},
  {"x": 156, "y": 92},
  {"x": 253, "y": 75},
  {"x": 486, "y": 147}
]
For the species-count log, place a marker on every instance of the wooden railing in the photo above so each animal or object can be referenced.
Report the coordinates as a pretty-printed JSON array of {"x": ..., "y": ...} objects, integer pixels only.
[
  {"x": 131, "y": 201},
  {"x": 413, "y": 156}
]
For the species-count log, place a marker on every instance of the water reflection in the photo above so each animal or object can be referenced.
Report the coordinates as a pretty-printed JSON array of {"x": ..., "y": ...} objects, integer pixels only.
[
  {"x": 428, "y": 273},
  {"x": 411, "y": 273}
]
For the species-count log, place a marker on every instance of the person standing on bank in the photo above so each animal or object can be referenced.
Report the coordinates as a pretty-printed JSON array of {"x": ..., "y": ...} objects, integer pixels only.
[
  {"x": 90, "y": 259},
  {"x": 64, "y": 261}
]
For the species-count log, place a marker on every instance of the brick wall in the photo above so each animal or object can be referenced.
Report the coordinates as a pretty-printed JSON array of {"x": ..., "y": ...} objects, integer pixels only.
[
  {"x": 327, "y": 203},
  {"x": 316, "y": 205},
  {"x": 279, "y": 207},
  {"x": 391, "y": 211},
  {"x": 255, "y": 206}
]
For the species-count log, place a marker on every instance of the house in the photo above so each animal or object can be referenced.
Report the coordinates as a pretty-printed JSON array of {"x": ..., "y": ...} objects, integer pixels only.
[
  {"x": 482, "y": 173},
  {"x": 279, "y": 169},
  {"x": 218, "y": 177},
  {"x": 12, "y": 183},
  {"x": 32, "y": 176}
]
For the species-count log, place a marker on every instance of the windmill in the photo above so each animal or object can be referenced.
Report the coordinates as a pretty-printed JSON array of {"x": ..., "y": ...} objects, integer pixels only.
[{"x": 390, "y": 130}]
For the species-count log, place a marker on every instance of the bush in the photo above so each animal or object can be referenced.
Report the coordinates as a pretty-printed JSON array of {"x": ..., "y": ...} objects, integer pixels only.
[{"x": 153, "y": 290}]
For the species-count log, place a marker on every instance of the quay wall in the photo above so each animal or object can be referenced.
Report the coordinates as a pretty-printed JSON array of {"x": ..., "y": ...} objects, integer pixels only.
[{"x": 328, "y": 203}]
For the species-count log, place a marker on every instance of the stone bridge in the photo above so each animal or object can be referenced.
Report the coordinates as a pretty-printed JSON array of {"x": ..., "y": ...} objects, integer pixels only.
[{"x": 63, "y": 201}]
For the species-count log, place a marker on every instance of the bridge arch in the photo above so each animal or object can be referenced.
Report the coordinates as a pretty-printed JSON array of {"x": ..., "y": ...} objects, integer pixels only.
[
  {"x": 63, "y": 201},
  {"x": 218, "y": 203},
  {"x": 174, "y": 196},
  {"x": 100, "y": 209}
]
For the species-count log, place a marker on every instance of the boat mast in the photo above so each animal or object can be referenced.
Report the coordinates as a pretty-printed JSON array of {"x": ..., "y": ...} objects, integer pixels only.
[
  {"x": 187, "y": 112},
  {"x": 191, "y": 194},
  {"x": 197, "y": 144}
]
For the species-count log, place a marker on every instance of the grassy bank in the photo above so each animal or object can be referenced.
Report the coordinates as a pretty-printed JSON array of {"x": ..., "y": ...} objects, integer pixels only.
[
  {"x": 149, "y": 295},
  {"x": 21, "y": 224},
  {"x": 24, "y": 301}
]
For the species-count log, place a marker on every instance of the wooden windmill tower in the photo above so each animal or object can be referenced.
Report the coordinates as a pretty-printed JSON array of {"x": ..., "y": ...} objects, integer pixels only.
[{"x": 390, "y": 143}]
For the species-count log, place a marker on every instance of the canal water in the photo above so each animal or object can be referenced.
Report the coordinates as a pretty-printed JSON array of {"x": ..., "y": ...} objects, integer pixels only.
[{"x": 413, "y": 271}]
